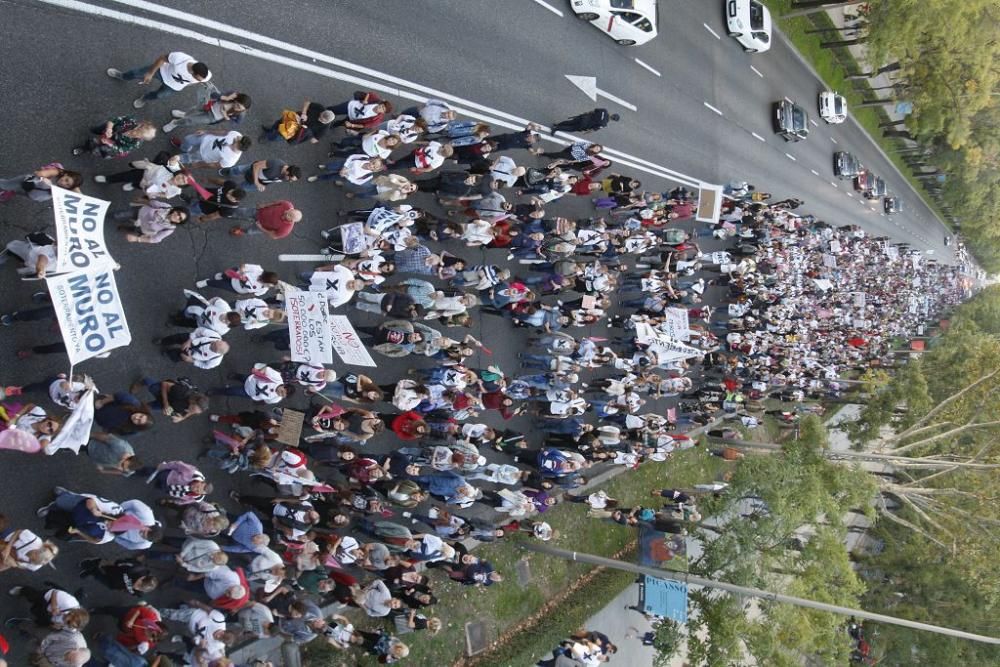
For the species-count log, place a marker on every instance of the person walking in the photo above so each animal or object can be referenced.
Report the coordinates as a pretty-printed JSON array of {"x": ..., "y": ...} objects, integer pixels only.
[
  {"x": 117, "y": 138},
  {"x": 586, "y": 122},
  {"x": 174, "y": 71},
  {"x": 262, "y": 173},
  {"x": 212, "y": 109},
  {"x": 215, "y": 149},
  {"x": 275, "y": 220}
]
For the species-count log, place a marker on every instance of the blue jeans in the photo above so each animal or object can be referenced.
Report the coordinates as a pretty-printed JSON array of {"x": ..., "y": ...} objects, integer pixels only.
[
  {"x": 236, "y": 170},
  {"x": 190, "y": 143},
  {"x": 117, "y": 655},
  {"x": 159, "y": 93},
  {"x": 332, "y": 168}
]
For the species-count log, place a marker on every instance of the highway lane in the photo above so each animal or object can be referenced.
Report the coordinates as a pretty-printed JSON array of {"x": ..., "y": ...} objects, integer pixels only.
[{"x": 515, "y": 61}]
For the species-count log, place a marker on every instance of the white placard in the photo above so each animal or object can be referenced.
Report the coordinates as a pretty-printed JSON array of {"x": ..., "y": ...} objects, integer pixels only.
[
  {"x": 308, "y": 327},
  {"x": 347, "y": 343},
  {"x": 859, "y": 299},
  {"x": 352, "y": 238},
  {"x": 829, "y": 261},
  {"x": 823, "y": 284},
  {"x": 90, "y": 313},
  {"x": 835, "y": 247},
  {"x": 675, "y": 324},
  {"x": 79, "y": 221},
  {"x": 75, "y": 432}
]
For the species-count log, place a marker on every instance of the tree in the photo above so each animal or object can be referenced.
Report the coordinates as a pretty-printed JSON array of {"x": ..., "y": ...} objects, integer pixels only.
[
  {"x": 807, "y": 7},
  {"x": 668, "y": 638}
]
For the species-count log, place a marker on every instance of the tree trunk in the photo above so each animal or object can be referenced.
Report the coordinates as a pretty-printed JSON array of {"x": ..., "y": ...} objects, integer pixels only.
[
  {"x": 819, "y": 31},
  {"x": 807, "y": 7},
  {"x": 899, "y": 134},
  {"x": 844, "y": 42},
  {"x": 874, "y": 103}
]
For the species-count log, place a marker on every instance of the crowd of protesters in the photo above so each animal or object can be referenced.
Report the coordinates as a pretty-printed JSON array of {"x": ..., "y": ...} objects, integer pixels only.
[{"x": 459, "y": 223}]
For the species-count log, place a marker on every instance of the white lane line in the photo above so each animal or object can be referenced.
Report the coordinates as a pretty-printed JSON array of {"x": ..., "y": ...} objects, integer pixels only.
[
  {"x": 815, "y": 173},
  {"x": 645, "y": 66},
  {"x": 789, "y": 100},
  {"x": 815, "y": 124},
  {"x": 549, "y": 7},
  {"x": 790, "y": 157},
  {"x": 849, "y": 195},
  {"x": 712, "y": 108},
  {"x": 239, "y": 47},
  {"x": 833, "y": 140},
  {"x": 715, "y": 34},
  {"x": 756, "y": 71},
  {"x": 758, "y": 136},
  {"x": 833, "y": 184}
]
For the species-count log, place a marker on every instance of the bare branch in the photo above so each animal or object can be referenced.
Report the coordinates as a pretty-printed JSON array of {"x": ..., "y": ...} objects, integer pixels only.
[{"x": 945, "y": 403}]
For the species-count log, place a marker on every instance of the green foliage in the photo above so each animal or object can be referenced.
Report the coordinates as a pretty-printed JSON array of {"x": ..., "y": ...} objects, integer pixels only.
[{"x": 667, "y": 640}]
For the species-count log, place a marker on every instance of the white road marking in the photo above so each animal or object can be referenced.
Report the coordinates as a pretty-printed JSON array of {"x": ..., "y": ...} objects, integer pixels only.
[
  {"x": 756, "y": 71},
  {"x": 815, "y": 124},
  {"x": 789, "y": 100},
  {"x": 790, "y": 157},
  {"x": 833, "y": 184},
  {"x": 588, "y": 84},
  {"x": 467, "y": 107},
  {"x": 712, "y": 108},
  {"x": 849, "y": 195},
  {"x": 714, "y": 34},
  {"x": 549, "y": 7},
  {"x": 758, "y": 136},
  {"x": 645, "y": 66},
  {"x": 833, "y": 140},
  {"x": 815, "y": 173}
]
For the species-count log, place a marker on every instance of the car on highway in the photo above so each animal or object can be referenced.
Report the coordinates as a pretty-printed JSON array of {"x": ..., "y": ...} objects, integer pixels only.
[
  {"x": 749, "y": 22},
  {"x": 876, "y": 188},
  {"x": 846, "y": 165},
  {"x": 628, "y": 22},
  {"x": 863, "y": 180},
  {"x": 832, "y": 107},
  {"x": 892, "y": 205},
  {"x": 791, "y": 122}
]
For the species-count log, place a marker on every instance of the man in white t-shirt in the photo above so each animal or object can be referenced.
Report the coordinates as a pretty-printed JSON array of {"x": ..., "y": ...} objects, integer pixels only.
[
  {"x": 175, "y": 71},
  {"x": 216, "y": 149},
  {"x": 206, "y": 628}
]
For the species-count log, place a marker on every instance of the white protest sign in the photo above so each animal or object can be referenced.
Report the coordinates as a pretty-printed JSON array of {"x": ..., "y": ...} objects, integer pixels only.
[
  {"x": 823, "y": 284},
  {"x": 835, "y": 247},
  {"x": 720, "y": 257},
  {"x": 352, "y": 238},
  {"x": 644, "y": 333},
  {"x": 90, "y": 313},
  {"x": 829, "y": 261},
  {"x": 676, "y": 324},
  {"x": 859, "y": 299},
  {"x": 347, "y": 343},
  {"x": 308, "y": 327},
  {"x": 75, "y": 432},
  {"x": 671, "y": 350},
  {"x": 79, "y": 223}
]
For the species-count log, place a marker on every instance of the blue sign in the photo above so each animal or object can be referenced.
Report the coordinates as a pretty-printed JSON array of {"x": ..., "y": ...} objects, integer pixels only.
[
  {"x": 904, "y": 108},
  {"x": 665, "y": 598}
]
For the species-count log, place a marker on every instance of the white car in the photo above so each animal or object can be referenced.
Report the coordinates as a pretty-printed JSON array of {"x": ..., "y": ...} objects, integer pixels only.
[
  {"x": 832, "y": 107},
  {"x": 629, "y": 22},
  {"x": 749, "y": 22}
]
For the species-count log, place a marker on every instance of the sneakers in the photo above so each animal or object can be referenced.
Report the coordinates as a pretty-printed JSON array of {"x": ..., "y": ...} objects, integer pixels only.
[
  {"x": 213, "y": 418},
  {"x": 138, "y": 103},
  {"x": 175, "y": 142},
  {"x": 177, "y": 113},
  {"x": 237, "y": 231},
  {"x": 313, "y": 179},
  {"x": 15, "y": 590},
  {"x": 169, "y": 127},
  {"x": 114, "y": 73},
  {"x": 128, "y": 187},
  {"x": 7, "y": 319},
  {"x": 100, "y": 179},
  {"x": 201, "y": 284},
  {"x": 43, "y": 511},
  {"x": 77, "y": 151}
]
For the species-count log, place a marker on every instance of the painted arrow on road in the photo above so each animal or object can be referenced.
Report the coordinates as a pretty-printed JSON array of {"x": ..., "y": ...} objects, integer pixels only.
[{"x": 588, "y": 84}]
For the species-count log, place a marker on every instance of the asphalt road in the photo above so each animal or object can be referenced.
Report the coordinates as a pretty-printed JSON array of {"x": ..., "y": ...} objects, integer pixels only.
[{"x": 509, "y": 58}]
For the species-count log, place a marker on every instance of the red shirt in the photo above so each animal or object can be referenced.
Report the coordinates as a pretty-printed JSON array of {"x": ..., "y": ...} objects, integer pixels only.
[
  {"x": 231, "y": 604},
  {"x": 269, "y": 218},
  {"x": 146, "y": 628},
  {"x": 405, "y": 424}
]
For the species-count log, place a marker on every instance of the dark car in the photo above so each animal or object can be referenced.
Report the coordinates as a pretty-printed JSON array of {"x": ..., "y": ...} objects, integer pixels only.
[
  {"x": 845, "y": 165},
  {"x": 892, "y": 205},
  {"x": 791, "y": 121},
  {"x": 877, "y": 188}
]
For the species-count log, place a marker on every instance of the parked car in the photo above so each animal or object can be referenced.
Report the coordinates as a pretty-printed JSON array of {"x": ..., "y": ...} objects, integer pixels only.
[
  {"x": 749, "y": 21},
  {"x": 892, "y": 205},
  {"x": 846, "y": 165},
  {"x": 629, "y": 22},
  {"x": 832, "y": 107},
  {"x": 876, "y": 189},
  {"x": 791, "y": 121}
]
